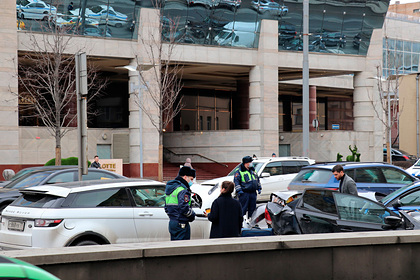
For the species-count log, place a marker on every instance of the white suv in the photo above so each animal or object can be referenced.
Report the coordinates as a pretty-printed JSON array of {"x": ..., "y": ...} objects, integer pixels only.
[
  {"x": 90, "y": 213},
  {"x": 275, "y": 175}
]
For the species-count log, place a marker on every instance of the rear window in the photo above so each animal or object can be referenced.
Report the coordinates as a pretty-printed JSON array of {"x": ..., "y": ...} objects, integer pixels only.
[
  {"x": 29, "y": 180},
  {"x": 37, "y": 201},
  {"x": 319, "y": 201},
  {"x": 319, "y": 176}
]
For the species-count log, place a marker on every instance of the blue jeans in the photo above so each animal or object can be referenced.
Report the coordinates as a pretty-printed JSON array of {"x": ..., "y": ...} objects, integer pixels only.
[{"x": 179, "y": 233}]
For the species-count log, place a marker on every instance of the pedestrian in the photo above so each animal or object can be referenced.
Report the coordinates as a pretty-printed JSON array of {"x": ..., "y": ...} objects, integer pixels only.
[
  {"x": 188, "y": 163},
  {"x": 178, "y": 204},
  {"x": 70, "y": 7},
  {"x": 347, "y": 184},
  {"x": 95, "y": 163},
  {"x": 247, "y": 184},
  {"x": 273, "y": 155},
  {"x": 254, "y": 157},
  {"x": 226, "y": 214}
]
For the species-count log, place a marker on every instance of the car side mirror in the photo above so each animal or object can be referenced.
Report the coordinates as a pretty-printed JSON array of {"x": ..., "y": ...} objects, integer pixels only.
[
  {"x": 265, "y": 175},
  {"x": 397, "y": 204},
  {"x": 392, "y": 222}
]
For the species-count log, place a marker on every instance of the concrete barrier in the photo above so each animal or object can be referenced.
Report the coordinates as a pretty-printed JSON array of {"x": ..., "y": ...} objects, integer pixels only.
[{"x": 364, "y": 255}]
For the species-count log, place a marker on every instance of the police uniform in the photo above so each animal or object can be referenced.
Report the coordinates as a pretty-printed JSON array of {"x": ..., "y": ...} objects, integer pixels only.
[
  {"x": 178, "y": 205},
  {"x": 247, "y": 184}
]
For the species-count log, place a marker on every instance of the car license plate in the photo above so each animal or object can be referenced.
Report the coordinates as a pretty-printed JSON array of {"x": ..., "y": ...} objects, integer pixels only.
[{"x": 16, "y": 225}]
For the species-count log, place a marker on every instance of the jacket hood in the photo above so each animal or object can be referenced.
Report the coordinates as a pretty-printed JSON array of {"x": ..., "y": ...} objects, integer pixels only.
[{"x": 174, "y": 184}]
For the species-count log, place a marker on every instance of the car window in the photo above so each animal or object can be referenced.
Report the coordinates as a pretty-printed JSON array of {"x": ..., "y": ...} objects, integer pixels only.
[
  {"x": 319, "y": 201},
  {"x": 97, "y": 175},
  {"x": 313, "y": 176},
  {"x": 150, "y": 196},
  {"x": 101, "y": 198},
  {"x": 274, "y": 168},
  {"x": 395, "y": 176},
  {"x": 369, "y": 175},
  {"x": 411, "y": 199},
  {"x": 62, "y": 178},
  {"x": 359, "y": 209},
  {"x": 29, "y": 180},
  {"x": 37, "y": 200}
]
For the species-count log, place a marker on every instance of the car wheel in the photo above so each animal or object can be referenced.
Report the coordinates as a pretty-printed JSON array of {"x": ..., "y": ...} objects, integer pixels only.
[{"x": 86, "y": 243}]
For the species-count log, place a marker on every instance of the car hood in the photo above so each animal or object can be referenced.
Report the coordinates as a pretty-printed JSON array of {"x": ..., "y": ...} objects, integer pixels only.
[{"x": 219, "y": 180}]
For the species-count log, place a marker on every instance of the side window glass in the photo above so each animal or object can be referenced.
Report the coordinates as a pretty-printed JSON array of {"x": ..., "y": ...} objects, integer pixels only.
[
  {"x": 319, "y": 201},
  {"x": 95, "y": 175},
  {"x": 290, "y": 167},
  {"x": 369, "y": 175},
  {"x": 102, "y": 198},
  {"x": 62, "y": 178},
  {"x": 274, "y": 168},
  {"x": 394, "y": 176},
  {"x": 356, "y": 208},
  {"x": 149, "y": 196},
  {"x": 412, "y": 199}
]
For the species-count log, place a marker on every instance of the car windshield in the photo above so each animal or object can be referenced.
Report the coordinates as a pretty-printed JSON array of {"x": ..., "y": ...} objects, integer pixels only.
[
  {"x": 37, "y": 200},
  {"x": 29, "y": 180},
  {"x": 319, "y": 176},
  {"x": 395, "y": 193},
  {"x": 257, "y": 167}
]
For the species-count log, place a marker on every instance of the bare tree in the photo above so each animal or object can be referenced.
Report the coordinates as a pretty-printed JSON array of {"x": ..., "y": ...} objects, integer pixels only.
[
  {"x": 161, "y": 101},
  {"x": 387, "y": 110},
  {"x": 46, "y": 74}
]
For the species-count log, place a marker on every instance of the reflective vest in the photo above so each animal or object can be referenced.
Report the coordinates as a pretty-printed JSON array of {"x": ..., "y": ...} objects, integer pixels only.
[
  {"x": 172, "y": 199},
  {"x": 251, "y": 175}
]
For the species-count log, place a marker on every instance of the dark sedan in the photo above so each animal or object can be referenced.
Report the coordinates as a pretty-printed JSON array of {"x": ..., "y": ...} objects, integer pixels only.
[
  {"x": 49, "y": 176},
  {"x": 327, "y": 211}
]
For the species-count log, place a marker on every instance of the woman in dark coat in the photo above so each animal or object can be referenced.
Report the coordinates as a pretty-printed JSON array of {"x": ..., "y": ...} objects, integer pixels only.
[{"x": 226, "y": 214}]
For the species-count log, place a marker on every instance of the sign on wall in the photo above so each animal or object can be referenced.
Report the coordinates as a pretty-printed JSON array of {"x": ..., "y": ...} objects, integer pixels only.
[{"x": 114, "y": 165}]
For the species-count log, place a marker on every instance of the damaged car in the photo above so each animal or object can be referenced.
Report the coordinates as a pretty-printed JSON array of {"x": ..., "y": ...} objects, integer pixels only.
[{"x": 327, "y": 211}]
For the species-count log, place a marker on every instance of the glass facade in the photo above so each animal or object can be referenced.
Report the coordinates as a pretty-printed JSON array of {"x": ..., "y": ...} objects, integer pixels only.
[
  {"x": 400, "y": 57},
  {"x": 340, "y": 27}
]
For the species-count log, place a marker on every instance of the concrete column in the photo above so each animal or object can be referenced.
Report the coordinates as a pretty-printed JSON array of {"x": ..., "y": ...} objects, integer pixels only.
[
  {"x": 134, "y": 120},
  {"x": 9, "y": 112},
  {"x": 312, "y": 107},
  {"x": 263, "y": 90}
]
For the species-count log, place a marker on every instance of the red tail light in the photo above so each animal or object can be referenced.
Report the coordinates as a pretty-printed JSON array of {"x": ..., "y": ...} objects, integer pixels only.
[
  {"x": 406, "y": 157},
  {"x": 47, "y": 223}
]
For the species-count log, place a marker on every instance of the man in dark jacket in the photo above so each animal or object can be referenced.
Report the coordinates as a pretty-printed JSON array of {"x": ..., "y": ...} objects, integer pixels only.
[
  {"x": 178, "y": 204},
  {"x": 247, "y": 184},
  {"x": 347, "y": 184}
]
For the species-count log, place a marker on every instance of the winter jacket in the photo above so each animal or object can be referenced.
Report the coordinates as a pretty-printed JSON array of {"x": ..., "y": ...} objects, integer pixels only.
[
  {"x": 347, "y": 185},
  {"x": 225, "y": 217},
  {"x": 178, "y": 201},
  {"x": 246, "y": 180}
]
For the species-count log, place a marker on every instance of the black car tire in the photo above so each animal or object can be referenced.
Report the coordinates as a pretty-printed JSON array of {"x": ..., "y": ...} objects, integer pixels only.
[{"x": 86, "y": 243}]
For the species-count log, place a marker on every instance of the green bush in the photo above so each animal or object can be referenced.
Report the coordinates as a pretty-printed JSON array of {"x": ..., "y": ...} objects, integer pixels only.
[{"x": 65, "y": 161}]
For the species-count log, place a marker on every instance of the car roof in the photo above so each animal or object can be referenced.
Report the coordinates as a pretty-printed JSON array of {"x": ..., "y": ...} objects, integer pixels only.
[
  {"x": 64, "y": 189},
  {"x": 330, "y": 165},
  {"x": 268, "y": 159}
]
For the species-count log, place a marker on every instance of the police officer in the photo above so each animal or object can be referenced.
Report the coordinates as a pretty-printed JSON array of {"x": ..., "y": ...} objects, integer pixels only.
[
  {"x": 178, "y": 204},
  {"x": 247, "y": 184}
]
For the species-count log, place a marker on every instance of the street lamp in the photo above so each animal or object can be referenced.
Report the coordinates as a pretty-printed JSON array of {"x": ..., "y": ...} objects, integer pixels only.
[{"x": 139, "y": 87}]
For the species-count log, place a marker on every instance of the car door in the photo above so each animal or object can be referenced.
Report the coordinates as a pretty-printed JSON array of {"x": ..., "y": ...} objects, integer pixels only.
[
  {"x": 359, "y": 214},
  {"x": 150, "y": 219},
  {"x": 395, "y": 179},
  {"x": 370, "y": 179},
  {"x": 316, "y": 212}
]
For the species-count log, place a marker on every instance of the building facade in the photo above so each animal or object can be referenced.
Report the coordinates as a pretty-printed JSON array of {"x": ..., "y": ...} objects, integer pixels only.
[{"x": 241, "y": 75}]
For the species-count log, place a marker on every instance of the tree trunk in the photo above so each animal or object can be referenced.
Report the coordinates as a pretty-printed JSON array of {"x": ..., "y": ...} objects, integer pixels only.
[
  {"x": 58, "y": 155},
  {"x": 388, "y": 150},
  {"x": 160, "y": 160}
]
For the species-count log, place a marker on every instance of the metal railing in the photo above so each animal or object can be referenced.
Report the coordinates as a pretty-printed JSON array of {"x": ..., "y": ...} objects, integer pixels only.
[{"x": 199, "y": 155}]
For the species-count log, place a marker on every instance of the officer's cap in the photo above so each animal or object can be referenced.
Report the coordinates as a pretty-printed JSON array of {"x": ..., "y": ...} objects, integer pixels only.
[
  {"x": 186, "y": 171},
  {"x": 246, "y": 159}
]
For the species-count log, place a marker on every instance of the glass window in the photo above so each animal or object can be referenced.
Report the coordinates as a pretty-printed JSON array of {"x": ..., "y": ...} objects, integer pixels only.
[
  {"x": 62, "y": 178},
  {"x": 101, "y": 198},
  {"x": 37, "y": 201},
  {"x": 29, "y": 180},
  {"x": 395, "y": 176},
  {"x": 359, "y": 209},
  {"x": 274, "y": 168},
  {"x": 369, "y": 175},
  {"x": 319, "y": 201},
  {"x": 150, "y": 196},
  {"x": 319, "y": 176},
  {"x": 411, "y": 199}
]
